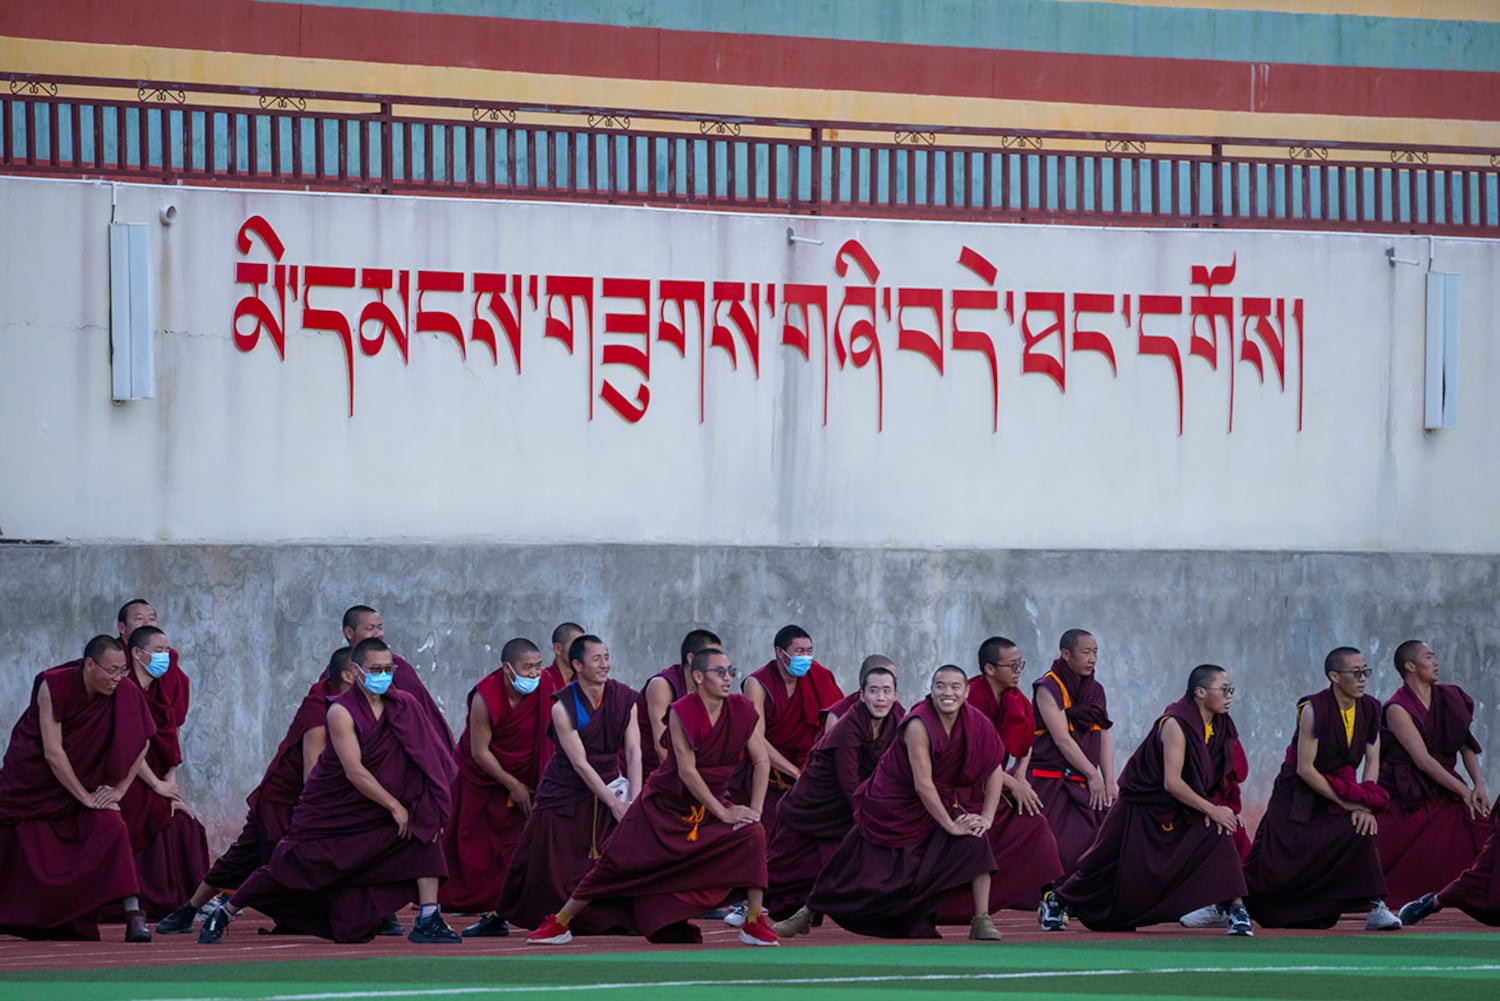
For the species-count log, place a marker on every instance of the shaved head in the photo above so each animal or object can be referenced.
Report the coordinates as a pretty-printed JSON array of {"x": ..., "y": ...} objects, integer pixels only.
[{"x": 876, "y": 662}]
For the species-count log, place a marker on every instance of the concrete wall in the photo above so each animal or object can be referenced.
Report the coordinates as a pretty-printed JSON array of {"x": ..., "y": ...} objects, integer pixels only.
[{"x": 256, "y": 623}]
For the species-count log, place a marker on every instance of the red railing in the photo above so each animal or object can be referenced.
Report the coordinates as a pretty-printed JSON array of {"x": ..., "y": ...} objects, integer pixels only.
[{"x": 254, "y": 136}]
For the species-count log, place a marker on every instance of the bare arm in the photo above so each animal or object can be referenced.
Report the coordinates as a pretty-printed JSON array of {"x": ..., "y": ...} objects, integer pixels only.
[
  {"x": 830, "y": 720},
  {"x": 1479, "y": 798},
  {"x": 481, "y": 732},
  {"x": 687, "y": 770},
  {"x": 1372, "y": 761},
  {"x": 1410, "y": 738},
  {"x": 1056, "y": 724},
  {"x": 1020, "y": 790},
  {"x": 757, "y": 694},
  {"x": 919, "y": 752},
  {"x": 1174, "y": 754},
  {"x": 633, "y": 756},
  {"x": 346, "y": 745},
  {"x": 1107, "y": 767},
  {"x": 658, "y": 698},
  {"x": 758, "y": 751},
  {"x": 572, "y": 746},
  {"x": 1307, "y": 753},
  {"x": 313, "y": 742},
  {"x": 103, "y": 798}
]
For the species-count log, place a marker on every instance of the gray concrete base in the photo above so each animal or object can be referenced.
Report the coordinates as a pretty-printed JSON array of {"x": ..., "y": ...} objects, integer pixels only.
[{"x": 255, "y": 624}]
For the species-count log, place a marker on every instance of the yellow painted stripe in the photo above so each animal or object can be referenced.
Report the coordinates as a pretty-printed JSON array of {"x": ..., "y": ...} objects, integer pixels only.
[
  {"x": 1429, "y": 10},
  {"x": 712, "y": 100}
]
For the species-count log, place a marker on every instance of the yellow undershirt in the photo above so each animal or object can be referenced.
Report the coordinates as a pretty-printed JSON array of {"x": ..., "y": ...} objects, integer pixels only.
[
  {"x": 1348, "y": 715},
  {"x": 1208, "y": 730}
]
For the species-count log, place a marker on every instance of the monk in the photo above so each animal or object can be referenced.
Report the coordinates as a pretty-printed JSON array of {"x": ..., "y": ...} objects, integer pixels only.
[
  {"x": 1314, "y": 856},
  {"x": 64, "y": 848},
  {"x": 560, "y": 673},
  {"x": 272, "y": 800},
  {"x": 661, "y": 690},
  {"x": 1165, "y": 848},
  {"x": 171, "y": 846},
  {"x": 361, "y": 622},
  {"x": 819, "y": 810},
  {"x": 501, "y": 757},
  {"x": 1020, "y": 838},
  {"x": 574, "y": 812},
  {"x": 1437, "y": 822},
  {"x": 363, "y": 840},
  {"x": 920, "y": 823},
  {"x": 1475, "y": 891},
  {"x": 830, "y": 715},
  {"x": 684, "y": 846},
  {"x": 789, "y": 692},
  {"x": 1073, "y": 760}
]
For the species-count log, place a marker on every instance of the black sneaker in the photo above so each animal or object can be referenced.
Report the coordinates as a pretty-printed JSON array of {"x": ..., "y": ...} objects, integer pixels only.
[
  {"x": 178, "y": 922},
  {"x": 215, "y": 923},
  {"x": 1239, "y": 922},
  {"x": 433, "y": 931},
  {"x": 491, "y": 925},
  {"x": 1050, "y": 914},
  {"x": 389, "y": 926},
  {"x": 1423, "y": 907}
]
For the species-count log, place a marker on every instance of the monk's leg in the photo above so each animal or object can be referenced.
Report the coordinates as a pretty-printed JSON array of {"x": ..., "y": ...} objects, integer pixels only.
[
  {"x": 981, "y": 925},
  {"x": 430, "y": 928}
]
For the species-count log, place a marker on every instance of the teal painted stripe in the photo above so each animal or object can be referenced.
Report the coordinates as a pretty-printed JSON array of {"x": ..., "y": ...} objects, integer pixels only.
[{"x": 1099, "y": 29}]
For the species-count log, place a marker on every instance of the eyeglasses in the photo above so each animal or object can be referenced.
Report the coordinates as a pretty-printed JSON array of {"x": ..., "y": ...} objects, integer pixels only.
[
  {"x": 389, "y": 669},
  {"x": 120, "y": 673},
  {"x": 1226, "y": 689},
  {"x": 724, "y": 672},
  {"x": 1019, "y": 665},
  {"x": 1358, "y": 672}
]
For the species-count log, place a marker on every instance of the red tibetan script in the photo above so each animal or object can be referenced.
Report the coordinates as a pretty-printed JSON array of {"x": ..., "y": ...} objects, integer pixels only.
[{"x": 851, "y": 329}]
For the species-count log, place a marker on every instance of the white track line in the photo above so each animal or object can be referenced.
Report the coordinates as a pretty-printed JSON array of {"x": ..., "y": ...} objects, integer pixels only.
[{"x": 829, "y": 981}]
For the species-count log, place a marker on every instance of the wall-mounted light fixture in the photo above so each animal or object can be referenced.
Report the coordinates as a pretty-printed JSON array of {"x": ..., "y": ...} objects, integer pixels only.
[{"x": 792, "y": 237}]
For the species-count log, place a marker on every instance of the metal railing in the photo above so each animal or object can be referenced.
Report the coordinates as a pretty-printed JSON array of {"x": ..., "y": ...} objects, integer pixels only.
[{"x": 255, "y": 136}]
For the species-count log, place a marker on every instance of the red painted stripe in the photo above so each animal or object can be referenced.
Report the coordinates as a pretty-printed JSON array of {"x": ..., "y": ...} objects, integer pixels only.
[{"x": 551, "y": 47}]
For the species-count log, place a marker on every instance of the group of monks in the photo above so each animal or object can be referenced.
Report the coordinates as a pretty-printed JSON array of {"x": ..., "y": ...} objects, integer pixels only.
[{"x": 573, "y": 804}]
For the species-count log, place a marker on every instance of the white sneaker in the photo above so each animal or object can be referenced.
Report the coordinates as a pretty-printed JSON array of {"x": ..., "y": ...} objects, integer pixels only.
[
  {"x": 735, "y": 917},
  {"x": 1381, "y": 918},
  {"x": 1208, "y": 916}
]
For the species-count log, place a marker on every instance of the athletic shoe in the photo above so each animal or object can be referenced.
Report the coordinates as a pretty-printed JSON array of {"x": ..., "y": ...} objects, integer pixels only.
[
  {"x": 136, "y": 929},
  {"x": 982, "y": 929},
  {"x": 215, "y": 922},
  {"x": 1381, "y": 918},
  {"x": 736, "y": 915},
  {"x": 433, "y": 930},
  {"x": 798, "y": 924},
  {"x": 178, "y": 922},
  {"x": 550, "y": 933},
  {"x": 1423, "y": 907},
  {"x": 491, "y": 925},
  {"x": 1207, "y": 916},
  {"x": 1239, "y": 922},
  {"x": 390, "y": 926},
  {"x": 1050, "y": 914},
  {"x": 759, "y": 932}
]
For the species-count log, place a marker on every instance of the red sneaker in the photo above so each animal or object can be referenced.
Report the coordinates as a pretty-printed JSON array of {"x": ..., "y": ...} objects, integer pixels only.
[
  {"x": 550, "y": 933},
  {"x": 759, "y": 932}
]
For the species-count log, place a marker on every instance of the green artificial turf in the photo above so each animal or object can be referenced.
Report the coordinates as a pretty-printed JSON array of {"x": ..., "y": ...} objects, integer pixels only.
[{"x": 1396, "y": 967}]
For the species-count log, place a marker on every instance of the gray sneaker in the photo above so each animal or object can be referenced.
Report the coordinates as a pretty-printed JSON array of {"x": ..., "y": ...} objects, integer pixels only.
[
  {"x": 1239, "y": 922},
  {"x": 1207, "y": 916},
  {"x": 736, "y": 915},
  {"x": 1381, "y": 918}
]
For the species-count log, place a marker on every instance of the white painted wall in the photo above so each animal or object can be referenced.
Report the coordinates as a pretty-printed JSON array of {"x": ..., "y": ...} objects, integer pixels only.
[{"x": 246, "y": 447}]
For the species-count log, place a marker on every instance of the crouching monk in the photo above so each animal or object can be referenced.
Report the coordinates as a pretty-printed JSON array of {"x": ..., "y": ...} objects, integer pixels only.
[
  {"x": 921, "y": 822},
  {"x": 1165, "y": 848},
  {"x": 362, "y": 842},
  {"x": 64, "y": 848},
  {"x": 683, "y": 847}
]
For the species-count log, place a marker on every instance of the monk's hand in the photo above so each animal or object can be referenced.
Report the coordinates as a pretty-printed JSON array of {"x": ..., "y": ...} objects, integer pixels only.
[
  {"x": 179, "y": 805},
  {"x": 1028, "y": 803},
  {"x": 1224, "y": 818},
  {"x": 402, "y": 819},
  {"x": 617, "y": 806},
  {"x": 1096, "y": 792},
  {"x": 103, "y": 798},
  {"x": 520, "y": 798},
  {"x": 737, "y": 816},
  {"x": 1481, "y": 801},
  {"x": 167, "y": 789},
  {"x": 1364, "y": 822},
  {"x": 1111, "y": 793}
]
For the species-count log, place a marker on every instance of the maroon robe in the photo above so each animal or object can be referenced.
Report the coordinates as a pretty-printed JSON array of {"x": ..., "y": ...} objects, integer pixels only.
[
  {"x": 552, "y": 676},
  {"x": 341, "y": 866},
  {"x": 60, "y": 861},
  {"x": 404, "y": 678},
  {"x": 1024, "y": 846},
  {"x": 1227, "y": 792},
  {"x": 1307, "y": 865},
  {"x": 487, "y": 824},
  {"x": 171, "y": 849},
  {"x": 1155, "y": 860},
  {"x": 676, "y": 678},
  {"x": 1426, "y": 838},
  {"x": 670, "y": 859},
  {"x": 793, "y": 725},
  {"x": 891, "y": 872},
  {"x": 1064, "y": 794},
  {"x": 819, "y": 810},
  {"x": 841, "y": 708},
  {"x": 272, "y": 800},
  {"x": 568, "y": 824},
  {"x": 1476, "y": 890}
]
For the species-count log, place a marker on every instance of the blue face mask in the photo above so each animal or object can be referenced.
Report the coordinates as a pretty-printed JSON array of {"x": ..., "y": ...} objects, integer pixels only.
[
  {"x": 798, "y": 666},
  {"x": 159, "y": 663},
  {"x": 524, "y": 685},
  {"x": 376, "y": 684}
]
